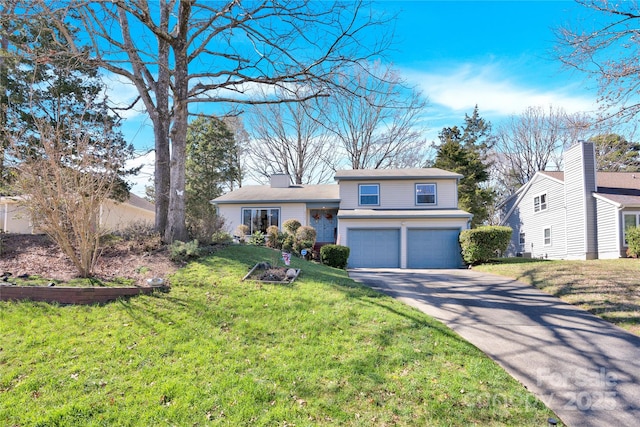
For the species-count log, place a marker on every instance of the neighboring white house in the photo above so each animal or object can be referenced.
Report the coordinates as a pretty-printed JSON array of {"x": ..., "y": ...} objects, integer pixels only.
[
  {"x": 575, "y": 214},
  {"x": 402, "y": 218},
  {"x": 113, "y": 215}
]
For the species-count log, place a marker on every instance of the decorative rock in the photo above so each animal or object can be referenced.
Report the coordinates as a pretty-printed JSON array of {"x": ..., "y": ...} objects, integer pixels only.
[
  {"x": 291, "y": 273},
  {"x": 155, "y": 281}
]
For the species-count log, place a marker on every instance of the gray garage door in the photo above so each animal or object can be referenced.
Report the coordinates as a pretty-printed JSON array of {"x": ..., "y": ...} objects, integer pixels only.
[
  {"x": 374, "y": 248},
  {"x": 433, "y": 248}
]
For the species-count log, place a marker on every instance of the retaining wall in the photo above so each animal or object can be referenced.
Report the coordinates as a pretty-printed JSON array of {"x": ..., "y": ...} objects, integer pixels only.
[{"x": 72, "y": 295}]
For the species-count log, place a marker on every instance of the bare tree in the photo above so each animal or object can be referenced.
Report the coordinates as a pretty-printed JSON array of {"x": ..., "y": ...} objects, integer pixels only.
[
  {"x": 65, "y": 184},
  {"x": 288, "y": 138},
  {"x": 607, "y": 49},
  {"x": 375, "y": 118},
  {"x": 181, "y": 52},
  {"x": 534, "y": 141}
]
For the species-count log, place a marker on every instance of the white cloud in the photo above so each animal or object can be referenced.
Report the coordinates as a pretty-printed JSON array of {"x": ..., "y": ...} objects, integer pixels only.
[
  {"x": 145, "y": 176},
  {"x": 463, "y": 86},
  {"x": 121, "y": 93}
]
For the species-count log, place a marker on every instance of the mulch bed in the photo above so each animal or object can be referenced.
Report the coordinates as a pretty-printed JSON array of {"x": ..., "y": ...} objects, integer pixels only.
[{"x": 37, "y": 255}]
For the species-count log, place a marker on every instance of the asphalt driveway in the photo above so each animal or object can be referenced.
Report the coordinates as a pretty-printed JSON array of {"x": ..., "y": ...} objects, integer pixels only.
[{"x": 584, "y": 369}]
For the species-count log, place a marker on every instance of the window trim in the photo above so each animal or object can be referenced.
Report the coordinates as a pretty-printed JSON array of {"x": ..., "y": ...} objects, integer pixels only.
[
  {"x": 522, "y": 239},
  {"x": 544, "y": 236},
  {"x": 435, "y": 193},
  {"x": 636, "y": 214},
  {"x": 260, "y": 208},
  {"x": 360, "y": 186},
  {"x": 540, "y": 207}
]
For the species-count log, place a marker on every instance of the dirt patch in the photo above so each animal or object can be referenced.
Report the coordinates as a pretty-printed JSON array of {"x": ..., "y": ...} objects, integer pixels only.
[
  {"x": 266, "y": 273},
  {"x": 37, "y": 255}
]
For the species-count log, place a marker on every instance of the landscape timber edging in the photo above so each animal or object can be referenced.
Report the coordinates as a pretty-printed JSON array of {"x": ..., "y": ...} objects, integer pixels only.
[{"x": 74, "y": 295}]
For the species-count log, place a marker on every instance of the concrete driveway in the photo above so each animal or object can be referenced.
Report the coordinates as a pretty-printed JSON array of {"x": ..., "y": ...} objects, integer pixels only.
[{"x": 584, "y": 369}]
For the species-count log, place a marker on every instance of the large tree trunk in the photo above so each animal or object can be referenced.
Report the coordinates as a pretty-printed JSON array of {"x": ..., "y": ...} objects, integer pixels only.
[
  {"x": 176, "y": 225},
  {"x": 161, "y": 128}
]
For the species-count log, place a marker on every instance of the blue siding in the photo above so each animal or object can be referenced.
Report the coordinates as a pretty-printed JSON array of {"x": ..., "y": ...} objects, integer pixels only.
[{"x": 524, "y": 219}]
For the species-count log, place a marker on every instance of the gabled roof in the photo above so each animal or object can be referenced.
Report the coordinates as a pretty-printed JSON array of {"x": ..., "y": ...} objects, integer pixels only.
[
  {"x": 612, "y": 180},
  {"x": 139, "y": 202},
  {"x": 380, "y": 174},
  {"x": 294, "y": 193}
]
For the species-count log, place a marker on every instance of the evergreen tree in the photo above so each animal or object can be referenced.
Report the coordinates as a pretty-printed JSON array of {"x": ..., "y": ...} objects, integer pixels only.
[
  {"x": 211, "y": 169},
  {"x": 464, "y": 151},
  {"x": 45, "y": 87}
]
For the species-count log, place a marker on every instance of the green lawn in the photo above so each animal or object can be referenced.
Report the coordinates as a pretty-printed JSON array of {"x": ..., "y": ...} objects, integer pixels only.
[
  {"x": 218, "y": 351},
  {"x": 609, "y": 288}
]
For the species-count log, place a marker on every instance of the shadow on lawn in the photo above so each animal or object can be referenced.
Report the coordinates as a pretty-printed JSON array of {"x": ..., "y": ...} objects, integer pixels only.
[{"x": 596, "y": 294}]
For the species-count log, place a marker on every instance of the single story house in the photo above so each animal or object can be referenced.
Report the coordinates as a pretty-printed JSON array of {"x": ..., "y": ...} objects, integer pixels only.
[
  {"x": 575, "y": 214},
  {"x": 113, "y": 215},
  {"x": 391, "y": 218}
]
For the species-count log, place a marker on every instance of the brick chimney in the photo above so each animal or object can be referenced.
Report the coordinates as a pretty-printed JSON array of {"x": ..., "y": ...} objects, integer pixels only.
[{"x": 579, "y": 186}]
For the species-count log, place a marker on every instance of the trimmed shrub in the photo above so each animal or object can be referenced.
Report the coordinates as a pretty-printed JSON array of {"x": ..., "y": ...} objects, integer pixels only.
[
  {"x": 181, "y": 251},
  {"x": 633, "y": 241},
  {"x": 272, "y": 237},
  {"x": 242, "y": 231},
  {"x": 291, "y": 226},
  {"x": 307, "y": 234},
  {"x": 334, "y": 255},
  {"x": 288, "y": 242},
  {"x": 484, "y": 243}
]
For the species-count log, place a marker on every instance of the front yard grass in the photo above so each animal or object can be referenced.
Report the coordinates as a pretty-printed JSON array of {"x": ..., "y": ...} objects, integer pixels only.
[
  {"x": 609, "y": 289},
  {"x": 218, "y": 351}
]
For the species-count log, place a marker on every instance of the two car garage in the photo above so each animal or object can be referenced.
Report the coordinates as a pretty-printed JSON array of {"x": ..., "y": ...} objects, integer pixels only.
[{"x": 423, "y": 247}]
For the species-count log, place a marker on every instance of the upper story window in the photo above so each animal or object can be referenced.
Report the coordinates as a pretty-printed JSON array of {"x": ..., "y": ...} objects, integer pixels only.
[
  {"x": 369, "y": 194},
  {"x": 425, "y": 194},
  {"x": 540, "y": 203}
]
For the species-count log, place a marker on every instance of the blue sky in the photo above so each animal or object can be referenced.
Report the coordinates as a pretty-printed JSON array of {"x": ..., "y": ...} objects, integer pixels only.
[{"x": 496, "y": 54}]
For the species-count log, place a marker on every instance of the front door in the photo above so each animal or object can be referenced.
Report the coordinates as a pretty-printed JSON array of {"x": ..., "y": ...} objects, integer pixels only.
[{"x": 325, "y": 222}]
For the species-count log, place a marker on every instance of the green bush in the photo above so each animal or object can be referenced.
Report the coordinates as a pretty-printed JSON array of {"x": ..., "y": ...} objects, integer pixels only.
[
  {"x": 300, "y": 245},
  {"x": 257, "y": 238},
  {"x": 273, "y": 237},
  {"x": 291, "y": 226},
  {"x": 221, "y": 238},
  {"x": 181, "y": 251},
  {"x": 334, "y": 255},
  {"x": 484, "y": 243},
  {"x": 288, "y": 242},
  {"x": 633, "y": 241},
  {"x": 306, "y": 233}
]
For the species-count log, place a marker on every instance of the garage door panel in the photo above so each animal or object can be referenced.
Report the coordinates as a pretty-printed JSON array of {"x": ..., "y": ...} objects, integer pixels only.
[
  {"x": 370, "y": 248},
  {"x": 433, "y": 248}
]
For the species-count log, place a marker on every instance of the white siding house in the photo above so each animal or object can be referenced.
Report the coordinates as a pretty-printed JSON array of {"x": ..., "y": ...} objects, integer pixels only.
[{"x": 575, "y": 214}]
